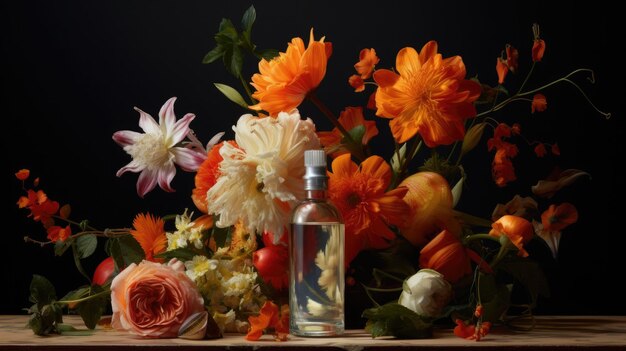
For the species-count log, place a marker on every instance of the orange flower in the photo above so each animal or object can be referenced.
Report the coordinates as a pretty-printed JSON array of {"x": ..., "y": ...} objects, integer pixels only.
[
  {"x": 22, "y": 174},
  {"x": 512, "y": 56},
  {"x": 470, "y": 331},
  {"x": 371, "y": 101},
  {"x": 502, "y": 169},
  {"x": 206, "y": 177},
  {"x": 367, "y": 61},
  {"x": 283, "y": 83},
  {"x": 539, "y": 47},
  {"x": 517, "y": 229},
  {"x": 269, "y": 317},
  {"x": 357, "y": 83},
  {"x": 556, "y": 218},
  {"x": 430, "y": 201},
  {"x": 56, "y": 233},
  {"x": 501, "y": 69},
  {"x": 539, "y": 103},
  {"x": 41, "y": 208},
  {"x": 150, "y": 234},
  {"x": 349, "y": 118},
  {"x": 446, "y": 255},
  {"x": 359, "y": 194},
  {"x": 540, "y": 150},
  {"x": 430, "y": 96}
]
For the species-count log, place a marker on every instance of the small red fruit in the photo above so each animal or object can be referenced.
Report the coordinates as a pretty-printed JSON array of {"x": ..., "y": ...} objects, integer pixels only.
[{"x": 104, "y": 271}]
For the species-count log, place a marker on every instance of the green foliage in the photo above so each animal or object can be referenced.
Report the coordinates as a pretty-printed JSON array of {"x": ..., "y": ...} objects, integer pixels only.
[
  {"x": 396, "y": 320},
  {"x": 45, "y": 314},
  {"x": 182, "y": 254},
  {"x": 232, "y": 94},
  {"x": 529, "y": 274},
  {"x": 41, "y": 291},
  {"x": 439, "y": 165},
  {"x": 231, "y": 44},
  {"x": 92, "y": 309},
  {"x": 86, "y": 245},
  {"x": 125, "y": 250}
]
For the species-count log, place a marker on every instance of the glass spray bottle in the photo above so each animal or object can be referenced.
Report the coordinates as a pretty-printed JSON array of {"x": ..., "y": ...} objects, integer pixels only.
[{"x": 316, "y": 252}]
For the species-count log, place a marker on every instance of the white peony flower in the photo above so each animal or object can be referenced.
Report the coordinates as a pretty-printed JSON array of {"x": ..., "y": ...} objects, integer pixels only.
[
  {"x": 426, "y": 293},
  {"x": 261, "y": 178}
]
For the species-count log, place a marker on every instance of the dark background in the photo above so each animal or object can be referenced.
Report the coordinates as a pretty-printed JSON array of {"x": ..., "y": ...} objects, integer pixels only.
[{"x": 71, "y": 72}]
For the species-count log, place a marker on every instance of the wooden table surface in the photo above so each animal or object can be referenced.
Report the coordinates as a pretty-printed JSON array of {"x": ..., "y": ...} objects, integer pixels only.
[{"x": 551, "y": 332}]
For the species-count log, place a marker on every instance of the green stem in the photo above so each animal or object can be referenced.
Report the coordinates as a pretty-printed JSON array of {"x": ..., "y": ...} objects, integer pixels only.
[
  {"x": 68, "y": 302},
  {"x": 247, "y": 89},
  {"x": 530, "y": 72},
  {"x": 481, "y": 237},
  {"x": 473, "y": 220},
  {"x": 381, "y": 289},
  {"x": 376, "y": 271},
  {"x": 69, "y": 221}
]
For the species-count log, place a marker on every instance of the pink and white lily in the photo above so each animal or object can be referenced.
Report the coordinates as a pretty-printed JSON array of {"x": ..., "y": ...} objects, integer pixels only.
[{"x": 154, "y": 152}]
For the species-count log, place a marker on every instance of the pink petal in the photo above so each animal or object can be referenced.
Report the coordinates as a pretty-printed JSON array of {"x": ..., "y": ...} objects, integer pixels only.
[
  {"x": 132, "y": 166},
  {"x": 126, "y": 137},
  {"x": 179, "y": 130},
  {"x": 147, "y": 123},
  {"x": 165, "y": 175},
  {"x": 188, "y": 159},
  {"x": 146, "y": 182},
  {"x": 214, "y": 140},
  {"x": 167, "y": 118}
]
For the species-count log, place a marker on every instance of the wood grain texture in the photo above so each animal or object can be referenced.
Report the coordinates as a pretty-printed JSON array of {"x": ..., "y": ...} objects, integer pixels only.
[{"x": 551, "y": 332}]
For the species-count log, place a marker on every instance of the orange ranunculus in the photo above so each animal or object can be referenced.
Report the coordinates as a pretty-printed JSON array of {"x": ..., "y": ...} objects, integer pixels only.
[
  {"x": 367, "y": 61},
  {"x": 517, "y": 229},
  {"x": 430, "y": 201},
  {"x": 150, "y": 234},
  {"x": 153, "y": 300},
  {"x": 501, "y": 69},
  {"x": 539, "y": 103},
  {"x": 359, "y": 192},
  {"x": 269, "y": 317},
  {"x": 349, "y": 118},
  {"x": 283, "y": 83},
  {"x": 56, "y": 233},
  {"x": 429, "y": 96},
  {"x": 556, "y": 218},
  {"x": 357, "y": 83},
  {"x": 446, "y": 255},
  {"x": 22, "y": 174}
]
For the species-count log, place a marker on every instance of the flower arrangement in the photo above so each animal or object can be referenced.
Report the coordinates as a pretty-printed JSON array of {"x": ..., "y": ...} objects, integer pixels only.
[{"x": 407, "y": 248}]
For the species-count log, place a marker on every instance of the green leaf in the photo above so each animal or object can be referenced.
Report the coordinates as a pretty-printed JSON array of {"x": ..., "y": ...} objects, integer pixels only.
[
  {"x": 86, "y": 245},
  {"x": 267, "y": 54},
  {"x": 214, "y": 54},
  {"x": 76, "y": 294},
  {"x": 69, "y": 330},
  {"x": 396, "y": 320},
  {"x": 457, "y": 190},
  {"x": 221, "y": 235},
  {"x": 227, "y": 32},
  {"x": 233, "y": 60},
  {"x": 41, "y": 291},
  {"x": 92, "y": 309},
  {"x": 248, "y": 19},
  {"x": 125, "y": 250},
  {"x": 79, "y": 266},
  {"x": 472, "y": 137},
  {"x": 61, "y": 246},
  {"x": 232, "y": 94},
  {"x": 182, "y": 254}
]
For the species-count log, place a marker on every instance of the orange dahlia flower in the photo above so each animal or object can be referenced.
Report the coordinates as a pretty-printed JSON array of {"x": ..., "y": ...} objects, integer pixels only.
[
  {"x": 430, "y": 96},
  {"x": 283, "y": 83},
  {"x": 349, "y": 118},
  {"x": 517, "y": 229},
  {"x": 359, "y": 194},
  {"x": 150, "y": 234}
]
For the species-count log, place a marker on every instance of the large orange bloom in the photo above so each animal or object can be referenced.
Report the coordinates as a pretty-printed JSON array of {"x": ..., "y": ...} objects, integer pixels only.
[
  {"x": 150, "y": 234},
  {"x": 283, "y": 83},
  {"x": 349, "y": 118},
  {"x": 430, "y": 96},
  {"x": 517, "y": 229},
  {"x": 359, "y": 194}
]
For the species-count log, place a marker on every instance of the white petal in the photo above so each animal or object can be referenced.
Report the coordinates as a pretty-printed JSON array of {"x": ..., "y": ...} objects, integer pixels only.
[
  {"x": 214, "y": 140},
  {"x": 166, "y": 114},
  {"x": 132, "y": 166},
  {"x": 146, "y": 182},
  {"x": 165, "y": 175},
  {"x": 126, "y": 137},
  {"x": 179, "y": 130},
  {"x": 188, "y": 159},
  {"x": 147, "y": 123}
]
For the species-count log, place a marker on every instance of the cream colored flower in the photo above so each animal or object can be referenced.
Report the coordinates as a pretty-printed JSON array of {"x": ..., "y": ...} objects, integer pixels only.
[
  {"x": 426, "y": 293},
  {"x": 329, "y": 262},
  {"x": 224, "y": 319},
  {"x": 199, "y": 266},
  {"x": 261, "y": 179}
]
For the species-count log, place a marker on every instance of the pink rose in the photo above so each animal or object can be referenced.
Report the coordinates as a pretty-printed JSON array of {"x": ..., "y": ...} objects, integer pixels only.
[{"x": 152, "y": 299}]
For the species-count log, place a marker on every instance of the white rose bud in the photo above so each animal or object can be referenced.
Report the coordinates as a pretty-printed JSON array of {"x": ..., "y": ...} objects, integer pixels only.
[{"x": 426, "y": 293}]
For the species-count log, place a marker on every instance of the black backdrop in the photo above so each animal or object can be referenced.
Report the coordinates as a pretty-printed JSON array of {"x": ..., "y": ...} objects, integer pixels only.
[{"x": 72, "y": 71}]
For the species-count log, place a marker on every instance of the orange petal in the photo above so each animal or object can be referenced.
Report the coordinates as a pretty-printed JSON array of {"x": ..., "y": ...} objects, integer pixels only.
[
  {"x": 343, "y": 166},
  {"x": 408, "y": 61},
  {"x": 385, "y": 78},
  {"x": 22, "y": 174}
]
